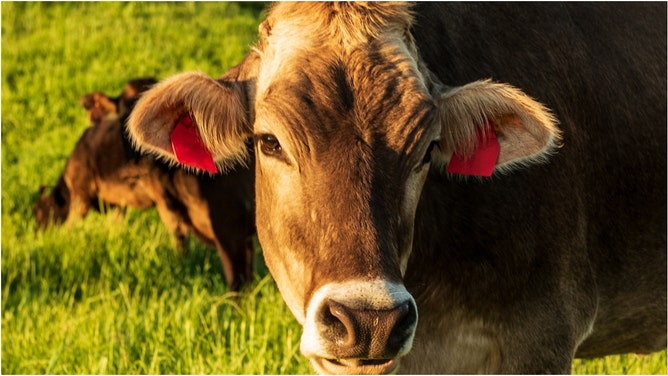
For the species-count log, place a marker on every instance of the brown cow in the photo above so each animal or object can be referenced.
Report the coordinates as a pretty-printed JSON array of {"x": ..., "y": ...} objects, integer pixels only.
[
  {"x": 356, "y": 109},
  {"x": 99, "y": 167},
  {"x": 104, "y": 168}
]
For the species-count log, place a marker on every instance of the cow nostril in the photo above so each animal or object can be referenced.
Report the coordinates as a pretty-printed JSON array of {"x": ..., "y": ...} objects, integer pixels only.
[
  {"x": 367, "y": 333},
  {"x": 340, "y": 322}
]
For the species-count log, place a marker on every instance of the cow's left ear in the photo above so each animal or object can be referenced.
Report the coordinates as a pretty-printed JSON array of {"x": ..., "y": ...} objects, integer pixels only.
[{"x": 525, "y": 129}]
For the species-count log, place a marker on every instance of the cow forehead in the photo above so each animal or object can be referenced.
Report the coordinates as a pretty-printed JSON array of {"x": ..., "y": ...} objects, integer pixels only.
[
  {"x": 369, "y": 93},
  {"x": 311, "y": 24},
  {"x": 336, "y": 69}
]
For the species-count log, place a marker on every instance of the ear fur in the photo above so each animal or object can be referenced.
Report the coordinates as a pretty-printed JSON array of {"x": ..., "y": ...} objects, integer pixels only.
[
  {"x": 526, "y": 130},
  {"x": 219, "y": 110}
]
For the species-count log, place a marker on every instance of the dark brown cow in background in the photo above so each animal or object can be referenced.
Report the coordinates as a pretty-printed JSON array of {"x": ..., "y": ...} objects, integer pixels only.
[
  {"x": 104, "y": 168},
  {"x": 383, "y": 256},
  {"x": 101, "y": 167}
]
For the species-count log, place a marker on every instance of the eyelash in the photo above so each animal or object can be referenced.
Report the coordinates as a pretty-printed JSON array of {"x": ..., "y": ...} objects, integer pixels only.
[{"x": 427, "y": 156}]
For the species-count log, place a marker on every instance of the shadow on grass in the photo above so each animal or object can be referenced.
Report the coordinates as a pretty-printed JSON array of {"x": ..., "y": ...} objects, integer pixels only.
[
  {"x": 104, "y": 250},
  {"x": 199, "y": 260}
]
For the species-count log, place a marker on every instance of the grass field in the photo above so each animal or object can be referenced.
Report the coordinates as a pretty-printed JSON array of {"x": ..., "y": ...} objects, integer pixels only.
[{"x": 110, "y": 295}]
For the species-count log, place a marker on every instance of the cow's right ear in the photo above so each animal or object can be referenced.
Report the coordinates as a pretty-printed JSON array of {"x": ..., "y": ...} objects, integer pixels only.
[{"x": 219, "y": 111}]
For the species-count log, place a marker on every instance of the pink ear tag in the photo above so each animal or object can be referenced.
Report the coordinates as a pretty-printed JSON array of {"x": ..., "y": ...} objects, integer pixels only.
[
  {"x": 189, "y": 148},
  {"x": 483, "y": 160}
]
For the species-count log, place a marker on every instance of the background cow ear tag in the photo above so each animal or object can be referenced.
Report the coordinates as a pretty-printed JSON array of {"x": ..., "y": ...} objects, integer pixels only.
[
  {"x": 483, "y": 160},
  {"x": 189, "y": 148}
]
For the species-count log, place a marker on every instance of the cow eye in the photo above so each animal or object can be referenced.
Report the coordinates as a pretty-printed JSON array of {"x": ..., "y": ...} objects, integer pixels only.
[
  {"x": 269, "y": 145},
  {"x": 427, "y": 155}
]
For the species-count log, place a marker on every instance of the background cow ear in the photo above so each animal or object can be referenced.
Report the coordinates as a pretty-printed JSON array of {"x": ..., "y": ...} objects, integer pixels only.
[
  {"x": 218, "y": 109},
  {"x": 525, "y": 129}
]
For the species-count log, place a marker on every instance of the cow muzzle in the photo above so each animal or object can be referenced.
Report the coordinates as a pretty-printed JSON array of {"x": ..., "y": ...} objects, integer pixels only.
[{"x": 359, "y": 327}]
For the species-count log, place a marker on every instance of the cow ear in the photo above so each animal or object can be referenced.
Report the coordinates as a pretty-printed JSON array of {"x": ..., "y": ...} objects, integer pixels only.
[
  {"x": 217, "y": 109},
  {"x": 99, "y": 106},
  {"x": 525, "y": 129}
]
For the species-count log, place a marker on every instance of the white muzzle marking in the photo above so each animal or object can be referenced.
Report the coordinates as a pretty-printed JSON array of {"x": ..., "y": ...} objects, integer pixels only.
[{"x": 373, "y": 295}]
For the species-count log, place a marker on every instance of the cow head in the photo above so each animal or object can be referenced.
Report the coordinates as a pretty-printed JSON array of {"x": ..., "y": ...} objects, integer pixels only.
[
  {"x": 52, "y": 207},
  {"x": 100, "y": 106},
  {"x": 346, "y": 123}
]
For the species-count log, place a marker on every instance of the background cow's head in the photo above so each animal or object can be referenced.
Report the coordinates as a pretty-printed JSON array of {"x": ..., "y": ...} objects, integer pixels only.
[
  {"x": 100, "y": 106},
  {"x": 347, "y": 122},
  {"x": 53, "y": 206}
]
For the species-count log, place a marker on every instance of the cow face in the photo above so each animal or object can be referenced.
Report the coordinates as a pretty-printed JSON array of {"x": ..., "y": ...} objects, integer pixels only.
[
  {"x": 53, "y": 207},
  {"x": 347, "y": 123}
]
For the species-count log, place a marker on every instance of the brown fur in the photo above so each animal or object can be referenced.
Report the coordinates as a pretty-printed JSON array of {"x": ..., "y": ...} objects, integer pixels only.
[
  {"x": 513, "y": 274},
  {"x": 342, "y": 24}
]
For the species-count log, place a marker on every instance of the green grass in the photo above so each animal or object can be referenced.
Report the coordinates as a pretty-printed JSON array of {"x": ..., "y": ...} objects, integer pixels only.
[{"x": 110, "y": 295}]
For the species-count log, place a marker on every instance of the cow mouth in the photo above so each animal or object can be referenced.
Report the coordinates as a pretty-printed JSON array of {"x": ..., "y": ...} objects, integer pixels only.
[{"x": 356, "y": 366}]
